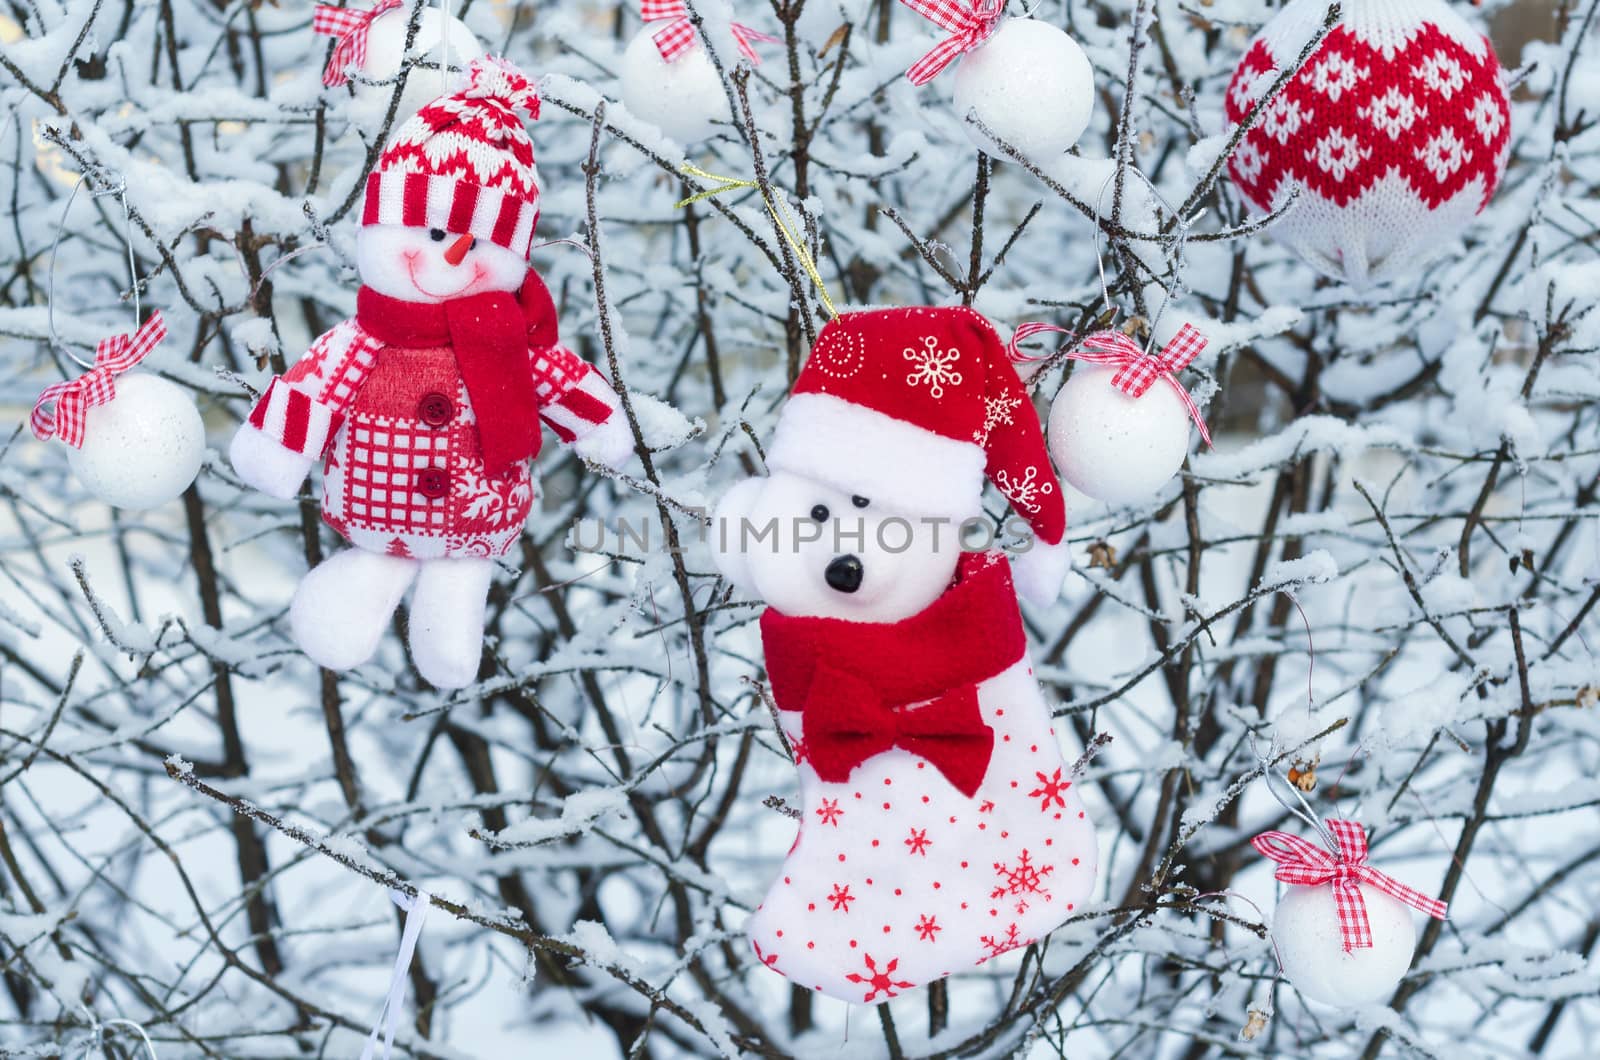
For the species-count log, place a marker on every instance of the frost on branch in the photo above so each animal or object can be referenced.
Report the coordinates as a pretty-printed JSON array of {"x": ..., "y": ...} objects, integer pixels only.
[{"x": 1381, "y": 583}]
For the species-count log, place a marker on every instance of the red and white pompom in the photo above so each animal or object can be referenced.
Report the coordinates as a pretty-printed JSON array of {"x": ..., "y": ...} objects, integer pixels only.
[
  {"x": 134, "y": 441},
  {"x": 1344, "y": 930},
  {"x": 370, "y": 43},
  {"x": 1024, "y": 79},
  {"x": 1392, "y": 136},
  {"x": 1114, "y": 434},
  {"x": 669, "y": 80}
]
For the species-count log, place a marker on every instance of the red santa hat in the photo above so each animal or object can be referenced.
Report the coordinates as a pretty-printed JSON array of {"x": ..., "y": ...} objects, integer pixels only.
[
  {"x": 464, "y": 163},
  {"x": 913, "y": 408}
]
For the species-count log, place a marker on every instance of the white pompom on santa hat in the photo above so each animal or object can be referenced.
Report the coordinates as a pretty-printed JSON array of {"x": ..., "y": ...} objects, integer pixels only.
[
  {"x": 464, "y": 163},
  {"x": 914, "y": 407}
]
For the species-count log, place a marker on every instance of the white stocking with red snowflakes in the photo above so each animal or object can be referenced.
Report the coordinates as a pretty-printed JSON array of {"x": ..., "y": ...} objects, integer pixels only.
[{"x": 897, "y": 878}]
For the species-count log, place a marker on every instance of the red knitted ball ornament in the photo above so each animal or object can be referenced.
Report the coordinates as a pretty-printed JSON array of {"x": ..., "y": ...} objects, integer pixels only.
[{"x": 1394, "y": 133}]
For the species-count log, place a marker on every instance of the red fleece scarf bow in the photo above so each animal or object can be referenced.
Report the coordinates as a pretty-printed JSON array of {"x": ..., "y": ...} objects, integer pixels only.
[
  {"x": 858, "y": 683},
  {"x": 491, "y": 335}
]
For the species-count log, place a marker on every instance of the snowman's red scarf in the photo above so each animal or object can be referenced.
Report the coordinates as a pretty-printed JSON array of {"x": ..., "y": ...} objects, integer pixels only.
[
  {"x": 490, "y": 334},
  {"x": 854, "y": 680}
]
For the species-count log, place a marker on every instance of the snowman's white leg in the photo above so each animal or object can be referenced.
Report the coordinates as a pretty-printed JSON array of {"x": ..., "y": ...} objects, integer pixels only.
[
  {"x": 447, "y": 613},
  {"x": 344, "y": 604}
]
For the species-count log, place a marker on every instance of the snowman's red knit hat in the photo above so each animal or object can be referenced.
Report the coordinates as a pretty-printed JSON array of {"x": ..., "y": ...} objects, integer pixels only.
[
  {"x": 464, "y": 163},
  {"x": 912, "y": 408}
]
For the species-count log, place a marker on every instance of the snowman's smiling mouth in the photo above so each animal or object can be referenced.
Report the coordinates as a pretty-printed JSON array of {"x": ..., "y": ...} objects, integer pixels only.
[{"x": 411, "y": 270}]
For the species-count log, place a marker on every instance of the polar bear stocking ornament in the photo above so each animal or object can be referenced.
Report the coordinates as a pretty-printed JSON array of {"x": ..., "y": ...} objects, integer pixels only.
[
  {"x": 940, "y": 824},
  {"x": 426, "y": 406}
]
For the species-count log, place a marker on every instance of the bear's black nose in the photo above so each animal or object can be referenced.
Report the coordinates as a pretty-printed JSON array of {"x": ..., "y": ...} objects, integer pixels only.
[{"x": 844, "y": 574}]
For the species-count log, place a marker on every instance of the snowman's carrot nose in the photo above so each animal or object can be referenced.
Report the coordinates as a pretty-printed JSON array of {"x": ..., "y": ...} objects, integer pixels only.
[{"x": 458, "y": 250}]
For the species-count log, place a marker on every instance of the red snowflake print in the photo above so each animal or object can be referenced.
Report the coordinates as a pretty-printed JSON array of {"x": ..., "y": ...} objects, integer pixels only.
[
  {"x": 927, "y": 927},
  {"x": 841, "y": 898},
  {"x": 880, "y": 981},
  {"x": 919, "y": 841},
  {"x": 1024, "y": 880},
  {"x": 1050, "y": 789},
  {"x": 998, "y": 944},
  {"x": 798, "y": 746},
  {"x": 829, "y": 812},
  {"x": 768, "y": 959},
  {"x": 987, "y": 806}
]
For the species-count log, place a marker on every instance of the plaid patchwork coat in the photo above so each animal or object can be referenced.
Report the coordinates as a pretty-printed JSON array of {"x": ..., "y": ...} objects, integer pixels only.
[{"x": 403, "y": 469}]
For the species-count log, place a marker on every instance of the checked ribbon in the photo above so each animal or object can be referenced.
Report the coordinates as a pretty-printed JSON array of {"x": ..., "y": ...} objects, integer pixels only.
[
  {"x": 1136, "y": 370},
  {"x": 677, "y": 37},
  {"x": 74, "y": 398},
  {"x": 351, "y": 28},
  {"x": 1308, "y": 865},
  {"x": 969, "y": 25}
]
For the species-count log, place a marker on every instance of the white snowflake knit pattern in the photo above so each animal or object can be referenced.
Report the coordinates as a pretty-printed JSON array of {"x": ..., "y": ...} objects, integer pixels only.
[
  {"x": 897, "y": 879},
  {"x": 1393, "y": 135}
]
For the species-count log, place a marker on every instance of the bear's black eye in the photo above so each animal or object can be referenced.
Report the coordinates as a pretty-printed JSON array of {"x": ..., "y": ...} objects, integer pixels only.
[
  {"x": 859, "y": 501},
  {"x": 437, "y": 234},
  {"x": 820, "y": 513}
]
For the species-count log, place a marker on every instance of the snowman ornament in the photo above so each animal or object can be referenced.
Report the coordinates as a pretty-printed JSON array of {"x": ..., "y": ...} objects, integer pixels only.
[
  {"x": 940, "y": 822},
  {"x": 426, "y": 407},
  {"x": 1027, "y": 81},
  {"x": 371, "y": 44},
  {"x": 1343, "y": 932},
  {"x": 134, "y": 441},
  {"x": 1116, "y": 435}
]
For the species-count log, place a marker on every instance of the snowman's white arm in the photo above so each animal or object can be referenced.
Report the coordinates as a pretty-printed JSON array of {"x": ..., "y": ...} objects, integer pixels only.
[
  {"x": 301, "y": 411},
  {"x": 580, "y": 406}
]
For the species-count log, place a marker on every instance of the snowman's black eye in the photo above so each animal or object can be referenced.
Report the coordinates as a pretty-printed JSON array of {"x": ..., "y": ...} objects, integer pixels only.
[
  {"x": 859, "y": 501},
  {"x": 820, "y": 513},
  {"x": 474, "y": 244},
  {"x": 437, "y": 234}
]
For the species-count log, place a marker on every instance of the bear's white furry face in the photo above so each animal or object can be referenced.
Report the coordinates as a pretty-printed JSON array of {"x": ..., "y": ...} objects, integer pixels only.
[
  {"x": 810, "y": 550},
  {"x": 415, "y": 264}
]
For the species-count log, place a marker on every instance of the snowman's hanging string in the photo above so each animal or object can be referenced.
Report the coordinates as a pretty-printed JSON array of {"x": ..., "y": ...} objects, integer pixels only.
[{"x": 784, "y": 220}]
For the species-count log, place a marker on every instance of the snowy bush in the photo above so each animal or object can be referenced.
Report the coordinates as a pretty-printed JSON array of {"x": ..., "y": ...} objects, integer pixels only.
[{"x": 1382, "y": 580}]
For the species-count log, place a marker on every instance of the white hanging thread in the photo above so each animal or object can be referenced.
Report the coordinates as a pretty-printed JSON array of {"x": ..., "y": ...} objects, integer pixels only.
[
  {"x": 1175, "y": 250},
  {"x": 121, "y": 192},
  {"x": 416, "y": 908},
  {"x": 97, "y": 1034}
]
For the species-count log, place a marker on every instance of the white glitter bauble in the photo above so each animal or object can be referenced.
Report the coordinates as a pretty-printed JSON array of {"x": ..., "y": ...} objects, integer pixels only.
[
  {"x": 1306, "y": 931},
  {"x": 683, "y": 98},
  {"x": 1031, "y": 85},
  {"x": 1113, "y": 447},
  {"x": 386, "y": 48},
  {"x": 143, "y": 447}
]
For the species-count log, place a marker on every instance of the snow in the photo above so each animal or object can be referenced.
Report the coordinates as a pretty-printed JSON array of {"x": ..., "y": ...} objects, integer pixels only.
[{"x": 606, "y": 786}]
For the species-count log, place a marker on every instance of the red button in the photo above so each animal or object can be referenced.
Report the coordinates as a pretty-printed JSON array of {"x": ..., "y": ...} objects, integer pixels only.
[
  {"x": 436, "y": 410},
  {"x": 433, "y": 482}
]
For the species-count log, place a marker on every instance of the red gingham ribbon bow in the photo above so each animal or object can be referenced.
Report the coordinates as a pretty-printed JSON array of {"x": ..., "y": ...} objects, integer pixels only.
[
  {"x": 969, "y": 26},
  {"x": 1136, "y": 371},
  {"x": 74, "y": 398},
  {"x": 1306, "y": 864},
  {"x": 351, "y": 29},
  {"x": 677, "y": 36}
]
